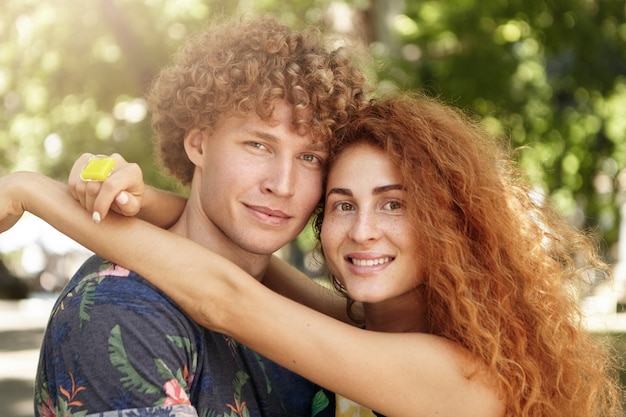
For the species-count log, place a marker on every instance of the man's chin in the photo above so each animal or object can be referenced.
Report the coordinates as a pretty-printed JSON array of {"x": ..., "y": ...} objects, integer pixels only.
[{"x": 265, "y": 245}]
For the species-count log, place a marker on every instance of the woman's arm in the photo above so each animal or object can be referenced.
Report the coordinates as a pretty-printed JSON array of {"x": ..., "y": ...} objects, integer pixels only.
[
  {"x": 286, "y": 280},
  {"x": 395, "y": 374}
]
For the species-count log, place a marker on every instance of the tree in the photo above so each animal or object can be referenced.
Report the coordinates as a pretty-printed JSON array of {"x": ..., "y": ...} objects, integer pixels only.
[{"x": 548, "y": 74}]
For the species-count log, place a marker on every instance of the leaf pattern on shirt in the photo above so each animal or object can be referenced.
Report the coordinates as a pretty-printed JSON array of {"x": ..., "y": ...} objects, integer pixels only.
[
  {"x": 131, "y": 380},
  {"x": 92, "y": 313},
  {"x": 239, "y": 408},
  {"x": 87, "y": 288}
]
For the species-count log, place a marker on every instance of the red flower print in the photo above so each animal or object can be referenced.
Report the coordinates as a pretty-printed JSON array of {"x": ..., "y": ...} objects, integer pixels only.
[
  {"x": 175, "y": 394},
  {"x": 47, "y": 409},
  {"x": 188, "y": 377},
  {"x": 239, "y": 407},
  {"x": 114, "y": 270}
]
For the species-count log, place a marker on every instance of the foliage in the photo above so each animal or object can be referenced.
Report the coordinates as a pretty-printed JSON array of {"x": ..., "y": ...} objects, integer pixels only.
[
  {"x": 549, "y": 74},
  {"x": 73, "y": 74}
]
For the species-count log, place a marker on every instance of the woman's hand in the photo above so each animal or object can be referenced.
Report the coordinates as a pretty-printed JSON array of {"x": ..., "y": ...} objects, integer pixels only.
[{"x": 121, "y": 192}]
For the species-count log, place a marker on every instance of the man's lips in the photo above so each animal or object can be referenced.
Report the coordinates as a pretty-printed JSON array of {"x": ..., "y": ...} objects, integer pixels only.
[
  {"x": 269, "y": 216},
  {"x": 269, "y": 212}
]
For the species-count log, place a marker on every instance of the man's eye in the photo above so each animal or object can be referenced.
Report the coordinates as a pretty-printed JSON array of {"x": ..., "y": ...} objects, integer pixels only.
[
  {"x": 256, "y": 145},
  {"x": 311, "y": 158}
]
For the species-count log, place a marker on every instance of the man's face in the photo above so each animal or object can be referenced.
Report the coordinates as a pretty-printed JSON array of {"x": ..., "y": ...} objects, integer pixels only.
[{"x": 260, "y": 181}]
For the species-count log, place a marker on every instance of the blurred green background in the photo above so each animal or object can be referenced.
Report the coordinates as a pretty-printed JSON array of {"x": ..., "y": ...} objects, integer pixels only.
[{"x": 549, "y": 75}]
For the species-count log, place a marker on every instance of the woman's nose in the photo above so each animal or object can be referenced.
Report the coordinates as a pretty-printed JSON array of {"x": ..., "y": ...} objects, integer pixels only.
[{"x": 365, "y": 227}]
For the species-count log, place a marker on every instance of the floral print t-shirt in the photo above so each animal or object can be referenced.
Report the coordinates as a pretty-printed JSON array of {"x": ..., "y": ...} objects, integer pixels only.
[
  {"x": 117, "y": 346},
  {"x": 348, "y": 408}
]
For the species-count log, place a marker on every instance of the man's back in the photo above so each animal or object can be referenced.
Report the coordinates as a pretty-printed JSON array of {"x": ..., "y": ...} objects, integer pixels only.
[{"x": 114, "y": 342}]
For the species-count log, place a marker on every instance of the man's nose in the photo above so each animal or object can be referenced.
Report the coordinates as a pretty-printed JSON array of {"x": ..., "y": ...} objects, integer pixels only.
[{"x": 281, "y": 178}]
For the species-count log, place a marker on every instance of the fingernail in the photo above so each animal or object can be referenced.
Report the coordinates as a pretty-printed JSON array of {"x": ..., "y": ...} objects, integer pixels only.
[
  {"x": 122, "y": 198},
  {"x": 96, "y": 217}
]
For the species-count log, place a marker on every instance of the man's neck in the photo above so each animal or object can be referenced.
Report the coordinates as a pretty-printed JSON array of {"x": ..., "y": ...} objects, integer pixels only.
[{"x": 194, "y": 225}]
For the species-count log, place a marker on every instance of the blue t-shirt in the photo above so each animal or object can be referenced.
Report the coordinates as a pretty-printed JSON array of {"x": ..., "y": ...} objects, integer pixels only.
[{"x": 117, "y": 346}]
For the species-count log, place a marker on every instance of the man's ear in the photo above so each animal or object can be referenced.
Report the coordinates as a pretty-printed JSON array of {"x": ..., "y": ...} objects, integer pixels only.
[{"x": 194, "y": 146}]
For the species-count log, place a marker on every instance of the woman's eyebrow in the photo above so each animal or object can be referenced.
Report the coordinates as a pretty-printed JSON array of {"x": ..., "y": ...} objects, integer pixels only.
[
  {"x": 385, "y": 188},
  {"x": 375, "y": 191},
  {"x": 340, "y": 191}
]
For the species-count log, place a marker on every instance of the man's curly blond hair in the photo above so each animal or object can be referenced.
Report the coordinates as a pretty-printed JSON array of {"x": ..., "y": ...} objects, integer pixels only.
[{"x": 243, "y": 66}]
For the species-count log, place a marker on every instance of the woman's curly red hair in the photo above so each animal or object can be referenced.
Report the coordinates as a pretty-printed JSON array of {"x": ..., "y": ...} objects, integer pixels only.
[
  {"x": 244, "y": 66},
  {"x": 500, "y": 267}
]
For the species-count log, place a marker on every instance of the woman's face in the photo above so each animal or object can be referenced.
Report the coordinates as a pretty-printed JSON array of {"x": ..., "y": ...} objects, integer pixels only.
[{"x": 366, "y": 235}]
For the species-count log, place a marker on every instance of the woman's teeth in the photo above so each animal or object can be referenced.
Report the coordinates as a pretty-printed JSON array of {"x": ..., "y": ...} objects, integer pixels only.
[{"x": 370, "y": 262}]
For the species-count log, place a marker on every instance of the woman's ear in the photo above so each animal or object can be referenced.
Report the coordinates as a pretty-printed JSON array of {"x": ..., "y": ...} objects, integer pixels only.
[{"x": 194, "y": 146}]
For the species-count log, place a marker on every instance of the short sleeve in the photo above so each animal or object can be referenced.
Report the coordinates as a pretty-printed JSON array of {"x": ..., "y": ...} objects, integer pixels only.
[{"x": 115, "y": 342}]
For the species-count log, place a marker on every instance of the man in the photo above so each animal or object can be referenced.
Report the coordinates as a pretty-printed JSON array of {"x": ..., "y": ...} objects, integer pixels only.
[{"x": 243, "y": 116}]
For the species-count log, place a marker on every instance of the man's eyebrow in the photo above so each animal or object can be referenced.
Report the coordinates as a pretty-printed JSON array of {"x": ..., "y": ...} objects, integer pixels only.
[
  {"x": 317, "y": 146},
  {"x": 263, "y": 135}
]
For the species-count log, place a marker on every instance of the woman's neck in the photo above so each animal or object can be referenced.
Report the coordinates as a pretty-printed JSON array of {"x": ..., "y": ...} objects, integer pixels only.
[{"x": 401, "y": 315}]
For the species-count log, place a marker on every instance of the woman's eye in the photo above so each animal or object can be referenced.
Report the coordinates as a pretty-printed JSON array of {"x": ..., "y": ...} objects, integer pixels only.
[
  {"x": 344, "y": 206},
  {"x": 394, "y": 205}
]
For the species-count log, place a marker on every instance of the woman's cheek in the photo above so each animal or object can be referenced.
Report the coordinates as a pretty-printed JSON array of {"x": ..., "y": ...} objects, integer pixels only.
[{"x": 330, "y": 237}]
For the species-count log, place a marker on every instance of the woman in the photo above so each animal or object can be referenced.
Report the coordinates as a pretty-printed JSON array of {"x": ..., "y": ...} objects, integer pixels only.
[{"x": 466, "y": 282}]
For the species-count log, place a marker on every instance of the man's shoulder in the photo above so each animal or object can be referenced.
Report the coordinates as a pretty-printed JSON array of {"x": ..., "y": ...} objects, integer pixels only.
[
  {"x": 97, "y": 270},
  {"x": 106, "y": 283},
  {"x": 96, "y": 264},
  {"x": 100, "y": 287}
]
